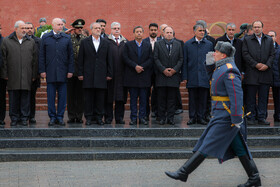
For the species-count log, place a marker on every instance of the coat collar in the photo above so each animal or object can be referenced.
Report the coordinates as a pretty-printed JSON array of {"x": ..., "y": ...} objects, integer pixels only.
[
  {"x": 14, "y": 36},
  {"x": 224, "y": 61},
  {"x": 194, "y": 41},
  {"x": 110, "y": 37},
  {"x": 91, "y": 43}
]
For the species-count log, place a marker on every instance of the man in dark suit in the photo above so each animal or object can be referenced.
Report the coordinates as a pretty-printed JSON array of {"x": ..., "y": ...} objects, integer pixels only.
[
  {"x": 56, "y": 64},
  {"x": 102, "y": 23},
  {"x": 194, "y": 74},
  {"x": 138, "y": 70},
  {"x": 95, "y": 69},
  {"x": 36, "y": 83},
  {"x": 258, "y": 53},
  {"x": 237, "y": 43},
  {"x": 168, "y": 56},
  {"x": 152, "y": 39},
  {"x": 116, "y": 91}
]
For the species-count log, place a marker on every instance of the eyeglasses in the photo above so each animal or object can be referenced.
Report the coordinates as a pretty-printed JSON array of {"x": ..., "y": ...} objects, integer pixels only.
[
  {"x": 116, "y": 28},
  {"x": 28, "y": 27}
]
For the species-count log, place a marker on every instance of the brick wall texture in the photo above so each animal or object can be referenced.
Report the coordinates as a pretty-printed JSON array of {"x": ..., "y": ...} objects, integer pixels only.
[{"x": 180, "y": 14}]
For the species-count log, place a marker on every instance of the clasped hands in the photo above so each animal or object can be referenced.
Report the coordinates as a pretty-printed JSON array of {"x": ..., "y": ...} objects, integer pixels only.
[
  {"x": 168, "y": 72},
  {"x": 261, "y": 67}
]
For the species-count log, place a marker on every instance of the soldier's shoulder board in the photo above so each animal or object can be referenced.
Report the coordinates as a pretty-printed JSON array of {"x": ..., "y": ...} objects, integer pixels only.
[{"x": 229, "y": 66}]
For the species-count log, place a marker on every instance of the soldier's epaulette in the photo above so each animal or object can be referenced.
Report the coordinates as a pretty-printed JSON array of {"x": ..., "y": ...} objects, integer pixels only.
[{"x": 229, "y": 66}]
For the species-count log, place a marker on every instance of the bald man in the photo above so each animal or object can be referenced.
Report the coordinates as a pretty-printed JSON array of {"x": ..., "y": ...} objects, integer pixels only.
[{"x": 56, "y": 64}]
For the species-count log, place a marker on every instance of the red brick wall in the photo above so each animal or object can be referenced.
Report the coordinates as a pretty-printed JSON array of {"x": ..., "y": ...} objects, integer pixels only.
[{"x": 181, "y": 14}]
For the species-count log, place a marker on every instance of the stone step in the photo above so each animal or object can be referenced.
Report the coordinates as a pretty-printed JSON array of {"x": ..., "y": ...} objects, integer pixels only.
[
  {"x": 71, "y": 154},
  {"x": 125, "y": 142},
  {"x": 124, "y": 132}
]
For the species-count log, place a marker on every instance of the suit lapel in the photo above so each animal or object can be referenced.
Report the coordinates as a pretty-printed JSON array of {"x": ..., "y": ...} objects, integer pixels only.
[
  {"x": 91, "y": 43},
  {"x": 173, "y": 49},
  {"x": 134, "y": 47},
  {"x": 100, "y": 44},
  {"x": 164, "y": 48}
]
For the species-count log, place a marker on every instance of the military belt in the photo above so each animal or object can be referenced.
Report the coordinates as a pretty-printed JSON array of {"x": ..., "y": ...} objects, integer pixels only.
[{"x": 220, "y": 98}]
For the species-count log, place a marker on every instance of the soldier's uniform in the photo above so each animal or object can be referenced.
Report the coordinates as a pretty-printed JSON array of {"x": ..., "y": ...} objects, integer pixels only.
[
  {"x": 224, "y": 137},
  {"x": 75, "y": 97}
]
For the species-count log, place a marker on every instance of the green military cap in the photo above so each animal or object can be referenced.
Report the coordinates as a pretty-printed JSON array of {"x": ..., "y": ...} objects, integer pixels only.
[{"x": 78, "y": 23}]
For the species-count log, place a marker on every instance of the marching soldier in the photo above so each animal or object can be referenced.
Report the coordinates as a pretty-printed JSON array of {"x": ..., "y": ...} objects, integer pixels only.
[
  {"x": 225, "y": 135},
  {"x": 74, "y": 86}
]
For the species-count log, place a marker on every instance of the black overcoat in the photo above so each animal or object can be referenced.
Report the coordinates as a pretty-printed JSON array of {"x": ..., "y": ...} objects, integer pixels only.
[
  {"x": 254, "y": 53},
  {"x": 163, "y": 60},
  {"x": 95, "y": 66},
  {"x": 116, "y": 90}
]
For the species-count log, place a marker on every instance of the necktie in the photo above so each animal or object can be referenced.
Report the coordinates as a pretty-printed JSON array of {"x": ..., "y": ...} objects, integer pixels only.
[{"x": 117, "y": 42}]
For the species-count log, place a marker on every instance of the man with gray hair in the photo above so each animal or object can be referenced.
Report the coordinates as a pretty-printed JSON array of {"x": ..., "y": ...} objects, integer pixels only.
[
  {"x": 95, "y": 69},
  {"x": 19, "y": 69},
  {"x": 116, "y": 92},
  {"x": 237, "y": 44},
  {"x": 195, "y": 75},
  {"x": 56, "y": 64},
  {"x": 208, "y": 37}
]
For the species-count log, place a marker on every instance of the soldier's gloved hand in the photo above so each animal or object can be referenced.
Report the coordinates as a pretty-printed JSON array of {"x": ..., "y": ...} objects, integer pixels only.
[
  {"x": 210, "y": 58},
  {"x": 238, "y": 124}
]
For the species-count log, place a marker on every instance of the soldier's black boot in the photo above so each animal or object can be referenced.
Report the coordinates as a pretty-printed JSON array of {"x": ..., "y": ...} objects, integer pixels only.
[
  {"x": 183, "y": 173},
  {"x": 251, "y": 170}
]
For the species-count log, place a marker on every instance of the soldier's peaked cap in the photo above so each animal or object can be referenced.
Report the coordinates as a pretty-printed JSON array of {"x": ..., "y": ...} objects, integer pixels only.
[{"x": 78, "y": 23}]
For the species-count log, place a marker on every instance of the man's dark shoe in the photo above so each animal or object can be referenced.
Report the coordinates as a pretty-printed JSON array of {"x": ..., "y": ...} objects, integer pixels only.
[
  {"x": 108, "y": 121},
  {"x": 60, "y": 122},
  {"x": 178, "y": 111},
  {"x": 100, "y": 122},
  {"x": 24, "y": 122},
  {"x": 202, "y": 122},
  {"x": 162, "y": 122},
  {"x": 143, "y": 121},
  {"x": 251, "y": 122},
  {"x": 79, "y": 121},
  {"x": 170, "y": 122},
  {"x": 121, "y": 121},
  {"x": 88, "y": 122},
  {"x": 191, "y": 121},
  {"x": 133, "y": 122},
  {"x": 2, "y": 122},
  {"x": 71, "y": 121},
  {"x": 32, "y": 120},
  {"x": 263, "y": 122},
  {"x": 52, "y": 122},
  {"x": 13, "y": 123}
]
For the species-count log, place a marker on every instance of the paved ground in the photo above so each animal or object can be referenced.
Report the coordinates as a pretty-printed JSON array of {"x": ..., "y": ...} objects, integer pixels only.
[{"x": 131, "y": 173}]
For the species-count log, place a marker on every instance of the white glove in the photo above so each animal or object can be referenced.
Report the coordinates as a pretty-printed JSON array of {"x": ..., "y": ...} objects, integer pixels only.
[
  {"x": 210, "y": 58},
  {"x": 238, "y": 124}
]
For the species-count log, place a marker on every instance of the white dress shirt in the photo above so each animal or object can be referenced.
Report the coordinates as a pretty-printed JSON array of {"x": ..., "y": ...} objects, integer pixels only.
[{"x": 96, "y": 43}]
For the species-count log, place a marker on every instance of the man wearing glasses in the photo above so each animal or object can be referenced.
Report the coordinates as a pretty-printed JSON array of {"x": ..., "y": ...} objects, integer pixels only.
[{"x": 75, "y": 97}]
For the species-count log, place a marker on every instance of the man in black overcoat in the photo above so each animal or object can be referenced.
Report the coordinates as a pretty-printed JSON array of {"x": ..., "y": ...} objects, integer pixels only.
[{"x": 95, "y": 69}]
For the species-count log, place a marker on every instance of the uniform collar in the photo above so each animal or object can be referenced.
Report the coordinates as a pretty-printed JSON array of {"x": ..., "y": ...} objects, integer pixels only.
[{"x": 224, "y": 61}]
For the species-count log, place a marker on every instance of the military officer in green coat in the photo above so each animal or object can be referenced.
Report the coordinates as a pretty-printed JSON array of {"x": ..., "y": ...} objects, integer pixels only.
[{"x": 74, "y": 86}]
